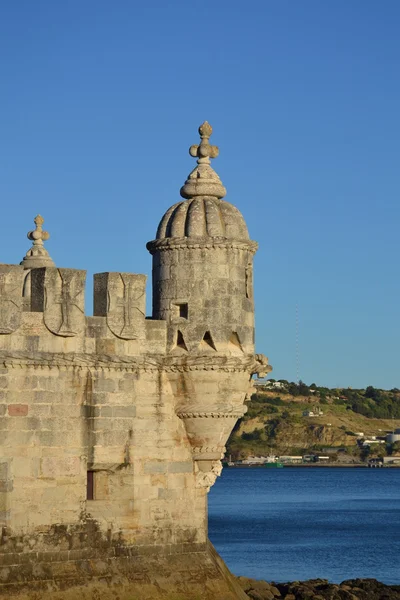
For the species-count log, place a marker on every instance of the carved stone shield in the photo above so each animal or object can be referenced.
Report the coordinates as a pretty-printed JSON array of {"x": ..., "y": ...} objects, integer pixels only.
[
  {"x": 11, "y": 282},
  {"x": 64, "y": 297},
  {"x": 126, "y": 293}
]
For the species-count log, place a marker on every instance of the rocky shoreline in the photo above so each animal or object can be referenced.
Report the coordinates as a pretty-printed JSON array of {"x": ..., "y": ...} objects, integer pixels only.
[{"x": 319, "y": 589}]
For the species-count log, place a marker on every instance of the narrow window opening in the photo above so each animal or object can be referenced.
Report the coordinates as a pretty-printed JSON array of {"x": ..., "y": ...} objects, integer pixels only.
[
  {"x": 249, "y": 281},
  {"x": 234, "y": 339},
  {"x": 207, "y": 341},
  {"x": 90, "y": 486},
  {"x": 180, "y": 342},
  {"x": 183, "y": 310}
]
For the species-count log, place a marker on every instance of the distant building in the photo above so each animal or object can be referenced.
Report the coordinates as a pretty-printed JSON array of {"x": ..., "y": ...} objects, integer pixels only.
[
  {"x": 317, "y": 412},
  {"x": 255, "y": 460},
  {"x": 269, "y": 384},
  {"x": 391, "y": 460},
  {"x": 391, "y": 438},
  {"x": 291, "y": 459},
  {"x": 309, "y": 458},
  {"x": 367, "y": 443}
]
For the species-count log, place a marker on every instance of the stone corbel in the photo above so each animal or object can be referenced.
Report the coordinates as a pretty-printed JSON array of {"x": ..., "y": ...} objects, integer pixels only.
[
  {"x": 206, "y": 479},
  {"x": 261, "y": 367}
]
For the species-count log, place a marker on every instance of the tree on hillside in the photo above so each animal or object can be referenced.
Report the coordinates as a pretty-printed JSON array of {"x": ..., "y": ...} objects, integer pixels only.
[
  {"x": 371, "y": 392},
  {"x": 304, "y": 390},
  {"x": 395, "y": 448},
  {"x": 377, "y": 450}
]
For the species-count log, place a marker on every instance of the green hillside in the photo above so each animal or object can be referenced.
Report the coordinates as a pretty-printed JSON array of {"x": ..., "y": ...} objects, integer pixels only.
[{"x": 275, "y": 421}]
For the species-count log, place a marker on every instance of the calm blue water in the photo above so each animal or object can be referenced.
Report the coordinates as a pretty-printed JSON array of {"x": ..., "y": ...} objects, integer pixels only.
[{"x": 295, "y": 524}]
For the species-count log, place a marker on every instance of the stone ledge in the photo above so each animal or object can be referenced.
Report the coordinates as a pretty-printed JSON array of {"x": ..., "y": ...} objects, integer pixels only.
[
  {"x": 199, "y": 362},
  {"x": 200, "y": 243},
  {"x": 21, "y": 558}
]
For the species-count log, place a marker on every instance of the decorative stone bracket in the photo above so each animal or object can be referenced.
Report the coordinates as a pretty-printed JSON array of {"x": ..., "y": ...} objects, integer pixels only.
[
  {"x": 207, "y": 433},
  {"x": 210, "y": 403},
  {"x": 261, "y": 367},
  {"x": 206, "y": 479}
]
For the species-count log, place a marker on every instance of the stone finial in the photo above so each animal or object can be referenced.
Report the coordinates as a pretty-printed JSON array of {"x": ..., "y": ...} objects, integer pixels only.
[
  {"x": 203, "y": 180},
  {"x": 37, "y": 256},
  {"x": 204, "y": 151}
]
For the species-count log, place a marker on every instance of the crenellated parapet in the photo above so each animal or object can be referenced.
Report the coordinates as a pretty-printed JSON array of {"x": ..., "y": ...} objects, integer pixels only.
[
  {"x": 121, "y": 298},
  {"x": 11, "y": 283},
  {"x": 56, "y": 310},
  {"x": 60, "y": 295}
]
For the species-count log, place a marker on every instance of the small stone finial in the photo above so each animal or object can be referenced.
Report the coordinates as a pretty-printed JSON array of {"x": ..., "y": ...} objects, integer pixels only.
[
  {"x": 203, "y": 180},
  {"x": 38, "y": 233},
  {"x": 37, "y": 256},
  {"x": 204, "y": 151}
]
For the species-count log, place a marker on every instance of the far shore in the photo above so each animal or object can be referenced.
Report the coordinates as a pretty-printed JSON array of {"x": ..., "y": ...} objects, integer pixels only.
[{"x": 315, "y": 466}]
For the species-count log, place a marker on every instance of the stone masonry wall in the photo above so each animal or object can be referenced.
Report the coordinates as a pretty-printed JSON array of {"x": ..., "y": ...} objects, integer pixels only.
[{"x": 77, "y": 398}]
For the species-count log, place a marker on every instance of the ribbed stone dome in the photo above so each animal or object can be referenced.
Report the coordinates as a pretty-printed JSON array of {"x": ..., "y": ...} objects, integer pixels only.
[
  {"x": 203, "y": 217},
  {"x": 203, "y": 213}
]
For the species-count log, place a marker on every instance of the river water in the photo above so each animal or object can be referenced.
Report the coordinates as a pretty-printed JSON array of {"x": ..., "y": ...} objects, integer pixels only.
[{"x": 295, "y": 524}]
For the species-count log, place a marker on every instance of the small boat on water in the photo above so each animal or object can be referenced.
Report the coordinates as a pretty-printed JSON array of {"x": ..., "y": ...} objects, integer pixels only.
[
  {"x": 272, "y": 462},
  {"x": 228, "y": 463}
]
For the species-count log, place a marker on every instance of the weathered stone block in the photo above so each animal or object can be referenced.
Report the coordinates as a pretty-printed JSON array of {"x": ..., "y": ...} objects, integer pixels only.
[
  {"x": 124, "y": 411},
  {"x": 6, "y": 485},
  {"x": 54, "y": 467},
  {"x": 181, "y": 467},
  {"x": 106, "y": 411},
  {"x": 126, "y": 385},
  {"x": 155, "y": 467},
  {"x": 18, "y": 410},
  {"x": 105, "y": 346},
  {"x": 104, "y": 382}
]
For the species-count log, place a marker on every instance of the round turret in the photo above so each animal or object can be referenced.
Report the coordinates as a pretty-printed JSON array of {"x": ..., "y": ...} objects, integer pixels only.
[
  {"x": 203, "y": 288},
  {"x": 203, "y": 264}
]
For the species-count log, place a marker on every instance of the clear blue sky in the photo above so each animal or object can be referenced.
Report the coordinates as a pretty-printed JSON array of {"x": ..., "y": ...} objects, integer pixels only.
[{"x": 100, "y": 101}]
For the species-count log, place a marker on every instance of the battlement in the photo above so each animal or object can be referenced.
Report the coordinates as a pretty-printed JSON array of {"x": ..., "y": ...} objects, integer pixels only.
[{"x": 54, "y": 319}]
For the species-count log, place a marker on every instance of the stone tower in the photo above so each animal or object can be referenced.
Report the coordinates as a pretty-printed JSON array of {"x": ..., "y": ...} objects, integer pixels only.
[
  {"x": 112, "y": 426},
  {"x": 203, "y": 266},
  {"x": 203, "y": 288}
]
